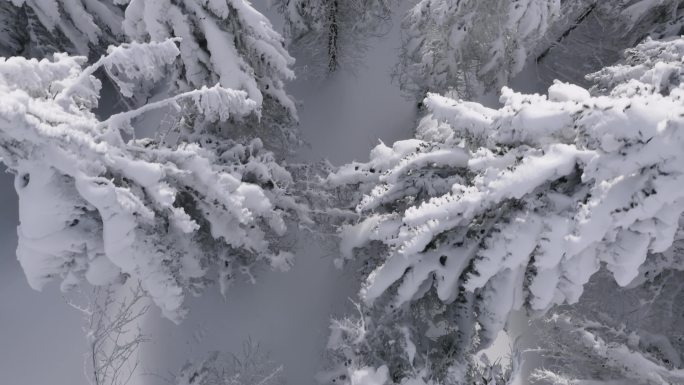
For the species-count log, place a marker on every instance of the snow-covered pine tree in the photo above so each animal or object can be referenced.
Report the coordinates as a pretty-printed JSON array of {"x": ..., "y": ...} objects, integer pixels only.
[
  {"x": 225, "y": 42},
  {"x": 36, "y": 28},
  {"x": 332, "y": 33},
  {"x": 589, "y": 33},
  {"x": 473, "y": 47},
  {"x": 469, "y": 46},
  {"x": 97, "y": 204},
  {"x": 488, "y": 211}
]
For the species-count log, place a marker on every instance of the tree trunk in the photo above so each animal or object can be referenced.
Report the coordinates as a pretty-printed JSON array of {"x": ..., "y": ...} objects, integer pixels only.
[{"x": 332, "y": 36}]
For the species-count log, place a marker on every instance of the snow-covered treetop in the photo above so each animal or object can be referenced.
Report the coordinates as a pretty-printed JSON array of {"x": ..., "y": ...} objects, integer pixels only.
[
  {"x": 470, "y": 46},
  {"x": 493, "y": 210},
  {"x": 94, "y": 205},
  {"x": 474, "y": 47},
  {"x": 587, "y": 34}
]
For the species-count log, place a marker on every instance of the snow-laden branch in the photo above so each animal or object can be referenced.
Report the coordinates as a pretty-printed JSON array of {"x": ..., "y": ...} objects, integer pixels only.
[
  {"x": 215, "y": 103},
  {"x": 239, "y": 48},
  {"x": 95, "y": 207},
  {"x": 491, "y": 211},
  {"x": 225, "y": 42}
]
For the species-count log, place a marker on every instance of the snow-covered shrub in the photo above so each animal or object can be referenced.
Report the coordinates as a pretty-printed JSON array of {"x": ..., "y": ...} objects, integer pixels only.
[
  {"x": 492, "y": 210},
  {"x": 332, "y": 33},
  {"x": 469, "y": 46},
  {"x": 97, "y": 204}
]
